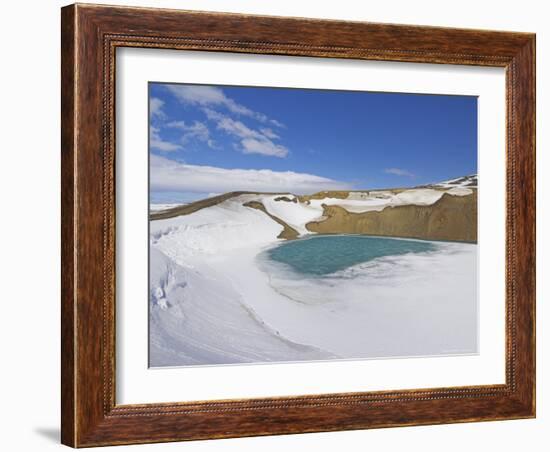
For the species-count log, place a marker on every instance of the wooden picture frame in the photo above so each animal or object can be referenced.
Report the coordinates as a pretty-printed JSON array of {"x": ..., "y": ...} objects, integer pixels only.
[{"x": 90, "y": 36}]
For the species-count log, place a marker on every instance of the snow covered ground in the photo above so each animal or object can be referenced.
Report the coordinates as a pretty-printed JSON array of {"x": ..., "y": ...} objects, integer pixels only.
[
  {"x": 198, "y": 316},
  {"x": 465, "y": 181},
  {"x": 215, "y": 299}
]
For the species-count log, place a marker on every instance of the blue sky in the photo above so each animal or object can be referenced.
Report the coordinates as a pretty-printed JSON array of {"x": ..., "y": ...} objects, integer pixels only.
[{"x": 213, "y": 139}]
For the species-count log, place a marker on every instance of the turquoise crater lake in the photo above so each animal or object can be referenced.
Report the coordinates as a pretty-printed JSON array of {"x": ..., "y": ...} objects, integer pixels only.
[{"x": 322, "y": 255}]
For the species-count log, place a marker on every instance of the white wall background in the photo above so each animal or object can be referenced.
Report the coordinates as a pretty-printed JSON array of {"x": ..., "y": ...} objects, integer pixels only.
[{"x": 29, "y": 109}]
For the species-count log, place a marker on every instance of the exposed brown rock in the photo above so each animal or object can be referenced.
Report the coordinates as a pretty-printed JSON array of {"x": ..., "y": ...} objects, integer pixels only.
[
  {"x": 324, "y": 194},
  {"x": 451, "y": 218},
  {"x": 286, "y": 199}
]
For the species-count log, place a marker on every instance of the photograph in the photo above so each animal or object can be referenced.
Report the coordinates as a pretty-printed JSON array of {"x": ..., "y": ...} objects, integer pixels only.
[{"x": 299, "y": 225}]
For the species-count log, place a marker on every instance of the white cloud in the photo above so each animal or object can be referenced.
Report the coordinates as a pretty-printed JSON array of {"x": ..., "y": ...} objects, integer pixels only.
[
  {"x": 269, "y": 133},
  {"x": 196, "y": 94},
  {"x": 155, "y": 107},
  {"x": 211, "y": 96},
  {"x": 399, "y": 172},
  {"x": 157, "y": 143},
  {"x": 251, "y": 141},
  {"x": 210, "y": 99},
  {"x": 277, "y": 123},
  {"x": 198, "y": 130},
  {"x": 264, "y": 147},
  {"x": 169, "y": 175},
  {"x": 237, "y": 128},
  {"x": 176, "y": 125}
]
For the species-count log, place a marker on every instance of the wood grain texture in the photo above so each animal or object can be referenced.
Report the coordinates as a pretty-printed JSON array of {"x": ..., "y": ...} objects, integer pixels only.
[
  {"x": 90, "y": 36},
  {"x": 67, "y": 226}
]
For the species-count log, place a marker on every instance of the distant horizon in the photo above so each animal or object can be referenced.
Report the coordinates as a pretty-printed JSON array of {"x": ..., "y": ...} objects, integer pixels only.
[
  {"x": 211, "y": 139},
  {"x": 359, "y": 189}
]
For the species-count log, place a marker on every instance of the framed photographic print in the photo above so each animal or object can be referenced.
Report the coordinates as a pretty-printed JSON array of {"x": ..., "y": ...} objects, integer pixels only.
[{"x": 282, "y": 225}]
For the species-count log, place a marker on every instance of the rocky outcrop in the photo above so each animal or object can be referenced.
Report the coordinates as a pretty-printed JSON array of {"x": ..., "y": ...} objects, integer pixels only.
[
  {"x": 339, "y": 194},
  {"x": 286, "y": 199},
  {"x": 450, "y": 218}
]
